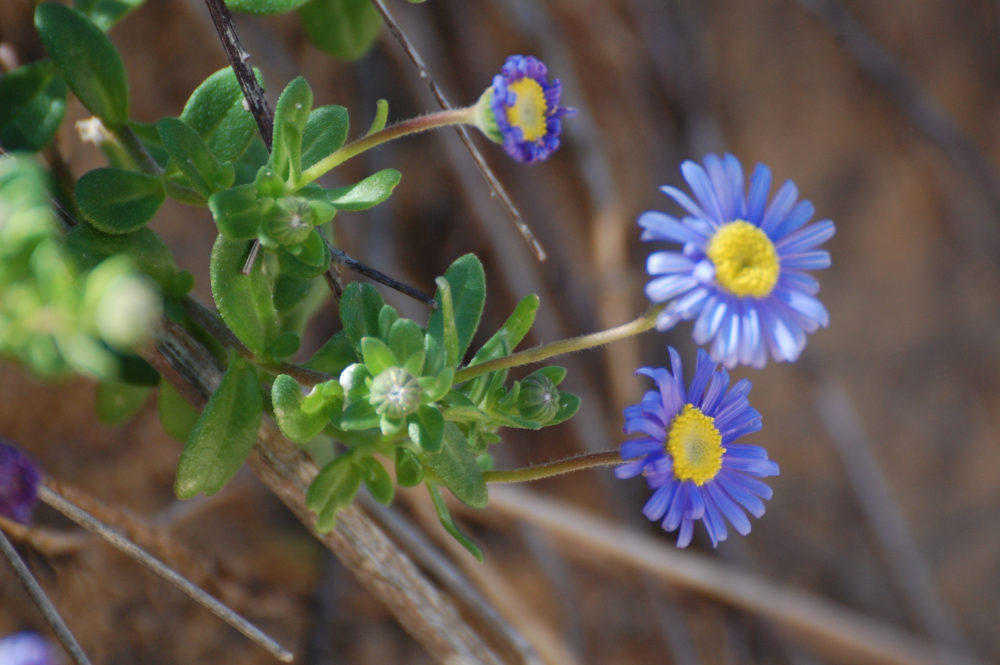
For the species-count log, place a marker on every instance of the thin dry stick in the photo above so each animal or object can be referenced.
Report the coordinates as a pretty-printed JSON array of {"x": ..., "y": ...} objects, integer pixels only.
[
  {"x": 887, "y": 523},
  {"x": 491, "y": 179},
  {"x": 48, "y": 610},
  {"x": 124, "y": 545},
  {"x": 361, "y": 546},
  {"x": 846, "y": 635}
]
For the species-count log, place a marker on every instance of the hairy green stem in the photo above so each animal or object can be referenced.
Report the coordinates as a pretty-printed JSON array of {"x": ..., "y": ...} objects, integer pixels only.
[
  {"x": 557, "y": 468},
  {"x": 422, "y": 123},
  {"x": 552, "y": 349}
]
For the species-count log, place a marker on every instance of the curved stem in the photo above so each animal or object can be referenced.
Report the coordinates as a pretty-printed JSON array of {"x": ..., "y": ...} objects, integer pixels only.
[
  {"x": 546, "y": 351},
  {"x": 412, "y": 126},
  {"x": 557, "y": 468}
]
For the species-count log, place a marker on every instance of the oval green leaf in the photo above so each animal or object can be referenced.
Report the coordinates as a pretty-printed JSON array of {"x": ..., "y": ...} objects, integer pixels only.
[
  {"x": 87, "y": 59},
  {"x": 243, "y": 301},
  {"x": 456, "y": 468},
  {"x": 325, "y": 132},
  {"x": 224, "y": 434},
  {"x": 215, "y": 110},
  {"x": 345, "y": 29},
  {"x": 298, "y": 426},
  {"x": 194, "y": 158},
  {"x": 118, "y": 201},
  {"x": 363, "y": 195},
  {"x": 32, "y": 106}
]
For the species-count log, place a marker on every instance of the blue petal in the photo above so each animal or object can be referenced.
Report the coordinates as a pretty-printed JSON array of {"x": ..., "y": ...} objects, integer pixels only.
[
  {"x": 677, "y": 368},
  {"x": 816, "y": 259},
  {"x": 807, "y": 238},
  {"x": 675, "y": 512},
  {"x": 660, "y": 263},
  {"x": 685, "y": 534},
  {"x": 708, "y": 322},
  {"x": 702, "y": 188},
  {"x": 798, "y": 281},
  {"x": 640, "y": 448},
  {"x": 734, "y": 172},
  {"x": 748, "y": 422},
  {"x": 695, "y": 501},
  {"x": 729, "y": 508},
  {"x": 748, "y": 500},
  {"x": 724, "y": 345},
  {"x": 657, "y": 504},
  {"x": 805, "y": 304},
  {"x": 760, "y": 184},
  {"x": 714, "y": 523},
  {"x": 747, "y": 483},
  {"x": 661, "y": 226},
  {"x": 662, "y": 289},
  {"x": 727, "y": 192},
  {"x": 703, "y": 371},
  {"x": 752, "y": 349},
  {"x": 799, "y": 215},
  {"x": 720, "y": 381},
  {"x": 629, "y": 469},
  {"x": 780, "y": 205},
  {"x": 785, "y": 339},
  {"x": 690, "y": 304},
  {"x": 684, "y": 200}
]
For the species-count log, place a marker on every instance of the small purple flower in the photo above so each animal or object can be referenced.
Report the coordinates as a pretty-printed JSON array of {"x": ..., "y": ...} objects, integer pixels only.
[
  {"x": 26, "y": 649},
  {"x": 19, "y": 479},
  {"x": 526, "y": 115},
  {"x": 688, "y": 454},
  {"x": 741, "y": 274}
]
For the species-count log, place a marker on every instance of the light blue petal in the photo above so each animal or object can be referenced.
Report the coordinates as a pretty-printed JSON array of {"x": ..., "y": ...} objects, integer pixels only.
[
  {"x": 634, "y": 448},
  {"x": 816, "y": 259},
  {"x": 785, "y": 339},
  {"x": 760, "y": 185},
  {"x": 685, "y": 534},
  {"x": 734, "y": 173},
  {"x": 804, "y": 304},
  {"x": 702, "y": 188},
  {"x": 661, "y": 263},
  {"x": 657, "y": 504},
  {"x": 799, "y": 215},
  {"x": 748, "y": 483},
  {"x": 628, "y": 470},
  {"x": 798, "y": 281},
  {"x": 703, "y": 371},
  {"x": 716, "y": 389},
  {"x": 661, "y": 226},
  {"x": 729, "y": 508},
  {"x": 684, "y": 200},
  {"x": 677, "y": 370},
  {"x": 694, "y": 501},
  {"x": 748, "y": 500},
  {"x": 714, "y": 523},
  {"x": 675, "y": 512},
  {"x": 780, "y": 205},
  {"x": 807, "y": 238},
  {"x": 662, "y": 289},
  {"x": 724, "y": 345},
  {"x": 727, "y": 193},
  {"x": 707, "y": 325}
]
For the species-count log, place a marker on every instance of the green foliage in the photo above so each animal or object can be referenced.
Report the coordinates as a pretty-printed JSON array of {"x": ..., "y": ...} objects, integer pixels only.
[
  {"x": 176, "y": 415},
  {"x": 345, "y": 29},
  {"x": 192, "y": 156},
  {"x": 363, "y": 195},
  {"x": 32, "y": 106},
  {"x": 244, "y": 301},
  {"x": 325, "y": 131},
  {"x": 105, "y": 13},
  {"x": 448, "y": 522},
  {"x": 118, "y": 201},
  {"x": 223, "y": 435},
  {"x": 290, "y": 117},
  {"x": 116, "y": 401},
  {"x": 264, "y": 7},
  {"x": 87, "y": 60},
  {"x": 216, "y": 111},
  {"x": 333, "y": 488},
  {"x": 295, "y": 423},
  {"x": 454, "y": 465}
]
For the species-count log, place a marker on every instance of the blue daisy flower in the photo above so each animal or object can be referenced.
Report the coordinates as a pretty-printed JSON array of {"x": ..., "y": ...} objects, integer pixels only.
[
  {"x": 741, "y": 272},
  {"x": 526, "y": 117},
  {"x": 26, "y": 648},
  {"x": 687, "y": 452},
  {"x": 19, "y": 480}
]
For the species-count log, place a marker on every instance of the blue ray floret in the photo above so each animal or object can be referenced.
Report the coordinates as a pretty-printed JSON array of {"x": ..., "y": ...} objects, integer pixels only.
[
  {"x": 26, "y": 648},
  {"x": 526, "y": 110},
  {"x": 19, "y": 479},
  {"x": 687, "y": 451},
  {"x": 741, "y": 273}
]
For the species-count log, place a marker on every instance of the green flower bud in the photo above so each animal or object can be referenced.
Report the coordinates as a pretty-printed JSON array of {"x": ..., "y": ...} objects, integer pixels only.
[
  {"x": 538, "y": 399},
  {"x": 395, "y": 393},
  {"x": 289, "y": 221}
]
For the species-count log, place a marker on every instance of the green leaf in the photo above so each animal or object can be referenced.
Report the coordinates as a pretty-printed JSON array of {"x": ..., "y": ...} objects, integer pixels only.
[
  {"x": 377, "y": 480},
  {"x": 264, "y": 7},
  {"x": 224, "y": 434},
  {"x": 88, "y": 247},
  {"x": 335, "y": 355},
  {"x": 193, "y": 157},
  {"x": 409, "y": 470},
  {"x": 406, "y": 338},
  {"x": 456, "y": 468},
  {"x": 377, "y": 355},
  {"x": 381, "y": 115},
  {"x": 118, "y": 201},
  {"x": 325, "y": 132},
  {"x": 32, "y": 106},
  {"x": 360, "y": 306},
  {"x": 236, "y": 212},
  {"x": 569, "y": 404},
  {"x": 510, "y": 333},
  {"x": 448, "y": 522},
  {"x": 467, "y": 282},
  {"x": 426, "y": 428},
  {"x": 298, "y": 426},
  {"x": 105, "y": 13},
  {"x": 441, "y": 325},
  {"x": 243, "y": 301},
  {"x": 116, "y": 402},
  {"x": 345, "y": 29},
  {"x": 363, "y": 195},
  {"x": 176, "y": 415},
  {"x": 215, "y": 110},
  {"x": 290, "y": 117},
  {"x": 333, "y": 488},
  {"x": 87, "y": 59}
]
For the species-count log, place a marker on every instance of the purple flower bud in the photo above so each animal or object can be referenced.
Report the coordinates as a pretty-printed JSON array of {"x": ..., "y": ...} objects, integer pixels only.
[
  {"x": 26, "y": 648},
  {"x": 19, "y": 479}
]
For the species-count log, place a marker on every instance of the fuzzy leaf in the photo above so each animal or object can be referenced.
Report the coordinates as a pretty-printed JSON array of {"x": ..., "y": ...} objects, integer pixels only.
[
  {"x": 236, "y": 212},
  {"x": 325, "y": 132},
  {"x": 176, "y": 415},
  {"x": 116, "y": 401},
  {"x": 377, "y": 480},
  {"x": 290, "y": 117},
  {"x": 105, "y": 13},
  {"x": 215, "y": 110},
  {"x": 194, "y": 158},
  {"x": 298, "y": 426},
  {"x": 118, "y": 201},
  {"x": 243, "y": 301},
  {"x": 467, "y": 286},
  {"x": 87, "y": 60},
  {"x": 224, "y": 434},
  {"x": 455, "y": 465},
  {"x": 360, "y": 306},
  {"x": 333, "y": 488},
  {"x": 32, "y": 106},
  {"x": 448, "y": 522},
  {"x": 345, "y": 29},
  {"x": 363, "y": 195},
  {"x": 426, "y": 428},
  {"x": 88, "y": 247}
]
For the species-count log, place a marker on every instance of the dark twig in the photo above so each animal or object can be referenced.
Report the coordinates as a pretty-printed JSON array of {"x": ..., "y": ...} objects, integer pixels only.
[
  {"x": 252, "y": 90},
  {"x": 490, "y": 177},
  {"x": 45, "y": 605},
  {"x": 126, "y": 546},
  {"x": 380, "y": 277}
]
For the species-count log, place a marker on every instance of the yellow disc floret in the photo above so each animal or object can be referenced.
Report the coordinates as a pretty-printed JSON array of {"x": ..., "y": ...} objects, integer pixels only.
[
  {"x": 746, "y": 262},
  {"x": 529, "y": 109},
  {"x": 695, "y": 445}
]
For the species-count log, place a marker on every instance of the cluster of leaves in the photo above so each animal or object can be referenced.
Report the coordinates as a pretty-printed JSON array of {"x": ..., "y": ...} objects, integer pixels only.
[{"x": 392, "y": 393}]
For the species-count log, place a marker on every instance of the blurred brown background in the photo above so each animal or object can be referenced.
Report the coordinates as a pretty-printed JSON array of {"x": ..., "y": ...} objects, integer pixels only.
[{"x": 885, "y": 113}]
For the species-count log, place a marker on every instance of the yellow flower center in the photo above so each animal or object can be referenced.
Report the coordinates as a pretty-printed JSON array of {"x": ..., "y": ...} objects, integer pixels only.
[
  {"x": 528, "y": 111},
  {"x": 746, "y": 262},
  {"x": 695, "y": 445}
]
